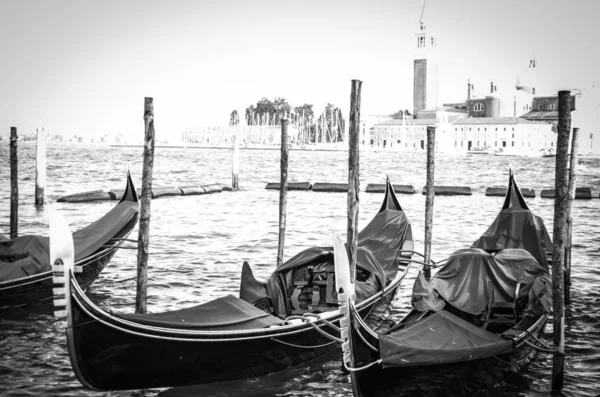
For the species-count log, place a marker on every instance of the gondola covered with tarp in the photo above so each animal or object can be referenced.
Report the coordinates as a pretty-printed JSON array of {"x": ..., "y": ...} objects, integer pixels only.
[
  {"x": 477, "y": 318},
  {"x": 289, "y": 319},
  {"x": 26, "y": 273}
]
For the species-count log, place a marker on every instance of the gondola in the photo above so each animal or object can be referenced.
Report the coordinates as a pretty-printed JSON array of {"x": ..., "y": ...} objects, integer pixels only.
[
  {"x": 286, "y": 321},
  {"x": 26, "y": 274},
  {"x": 477, "y": 320}
]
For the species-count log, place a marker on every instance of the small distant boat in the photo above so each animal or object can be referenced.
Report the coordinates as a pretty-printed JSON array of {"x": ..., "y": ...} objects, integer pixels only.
[
  {"x": 548, "y": 152},
  {"x": 289, "y": 320},
  {"x": 26, "y": 274},
  {"x": 485, "y": 308},
  {"x": 480, "y": 150}
]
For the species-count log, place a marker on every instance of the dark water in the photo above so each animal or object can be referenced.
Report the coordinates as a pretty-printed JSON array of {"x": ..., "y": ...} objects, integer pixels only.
[{"x": 198, "y": 244}]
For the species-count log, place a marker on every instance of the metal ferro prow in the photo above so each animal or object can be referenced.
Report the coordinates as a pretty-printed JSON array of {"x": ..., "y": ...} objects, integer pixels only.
[
  {"x": 62, "y": 258},
  {"x": 346, "y": 294}
]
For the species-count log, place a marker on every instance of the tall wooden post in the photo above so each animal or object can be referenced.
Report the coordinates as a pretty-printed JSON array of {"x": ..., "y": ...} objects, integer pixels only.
[
  {"x": 14, "y": 185},
  {"x": 236, "y": 158},
  {"x": 559, "y": 237},
  {"x": 429, "y": 196},
  {"x": 144, "y": 227},
  {"x": 572, "y": 188},
  {"x": 353, "y": 175},
  {"x": 40, "y": 167},
  {"x": 283, "y": 187}
]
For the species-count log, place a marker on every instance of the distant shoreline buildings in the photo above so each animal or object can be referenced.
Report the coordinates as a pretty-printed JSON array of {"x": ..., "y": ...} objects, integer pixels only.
[
  {"x": 518, "y": 122},
  {"x": 512, "y": 121}
]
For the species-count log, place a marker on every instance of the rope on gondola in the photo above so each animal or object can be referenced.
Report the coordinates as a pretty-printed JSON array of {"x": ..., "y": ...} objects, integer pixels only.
[
  {"x": 542, "y": 349},
  {"x": 316, "y": 327},
  {"x": 129, "y": 240},
  {"x": 433, "y": 263},
  {"x": 332, "y": 325},
  {"x": 300, "y": 346},
  {"x": 97, "y": 255},
  {"x": 363, "y": 367},
  {"x": 370, "y": 346},
  {"x": 544, "y": 344},
  {"x": 516, "y": 361}
]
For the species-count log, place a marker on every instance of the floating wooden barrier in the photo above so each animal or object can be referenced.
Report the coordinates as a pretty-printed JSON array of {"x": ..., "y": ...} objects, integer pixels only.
[
  {"x": 450, "y": 190},
  {"x": 581, "y": 193},
  {"x": 501, "y": 192},
  {"x": 380, "y": 188},
  {"x": 330, "y": 187},
  {"x": 192, "y": 190},
  {"x": 95, "y": 195},
  {"x": 165, "y": 192},
  {"x": 290, "y": 186},
  {"x": 214, "y": 188},
  {"x": 117, "y": 194}
]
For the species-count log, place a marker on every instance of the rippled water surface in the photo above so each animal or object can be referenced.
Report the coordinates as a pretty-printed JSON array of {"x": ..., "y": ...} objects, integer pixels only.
[{"x": 198, "y": 244}]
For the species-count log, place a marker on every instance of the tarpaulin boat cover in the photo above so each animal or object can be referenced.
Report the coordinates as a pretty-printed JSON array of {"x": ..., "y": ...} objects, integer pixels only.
[
  {"x": 378, "y": 246},
  {"x": 471, "y": 275},
  {"x": 441, "y": 338},
  {"x": 517, "y": 227},
  {"x": 530, "y": 228},
  {"x": 31, "y": 253},
  {"x": 225, "y": 313}
]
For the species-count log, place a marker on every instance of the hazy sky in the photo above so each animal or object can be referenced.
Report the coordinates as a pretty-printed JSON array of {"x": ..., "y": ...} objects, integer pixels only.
[{"x": 84, "y": 67}]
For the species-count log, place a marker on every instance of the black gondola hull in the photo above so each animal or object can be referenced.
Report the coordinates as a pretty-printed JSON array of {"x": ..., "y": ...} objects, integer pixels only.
[
  {"x": 35, "y": 292},
  {"x": 124, "y": 355},
  {"x": 457, "y": 379}
]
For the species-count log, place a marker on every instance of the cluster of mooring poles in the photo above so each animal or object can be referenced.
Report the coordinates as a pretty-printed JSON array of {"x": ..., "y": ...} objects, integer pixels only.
[{"x": 565, "y": 186}]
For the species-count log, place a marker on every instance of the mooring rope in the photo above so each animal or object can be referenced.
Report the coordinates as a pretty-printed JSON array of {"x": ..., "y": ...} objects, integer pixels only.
[
  {"x": 315, "y": 326},
  {"x": 357, "y": 369},
  {"x": 370, "y": 346},
  {"x": 542, "y": 349},
  {"x": 300, "y": 346}
]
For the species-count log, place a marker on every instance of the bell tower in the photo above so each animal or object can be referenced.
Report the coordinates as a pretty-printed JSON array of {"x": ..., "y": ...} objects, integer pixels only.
[{"x": 425, "y": 71}]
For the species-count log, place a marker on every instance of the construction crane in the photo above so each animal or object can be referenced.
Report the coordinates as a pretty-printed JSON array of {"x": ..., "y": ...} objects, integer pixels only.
[{"x": 422, "y": 12}]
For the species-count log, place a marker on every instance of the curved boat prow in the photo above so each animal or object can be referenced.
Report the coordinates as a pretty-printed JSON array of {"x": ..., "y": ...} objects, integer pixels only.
[
  {"x": 62, "y": 258},
  {"x": 514, "y": 197},
  {"x": 390, "y": 201},
  {"x": 346, "y": 294},
  {"x": 130, "y": 193}
]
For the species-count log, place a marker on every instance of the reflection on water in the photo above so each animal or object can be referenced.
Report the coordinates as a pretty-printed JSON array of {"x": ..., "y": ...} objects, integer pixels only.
[{"x": 198, "y": 244}]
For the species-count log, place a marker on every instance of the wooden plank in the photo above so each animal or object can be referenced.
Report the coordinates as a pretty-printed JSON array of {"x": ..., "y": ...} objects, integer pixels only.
[
  {"x": 380, "y": 188},
  {"x": 450, "y": 190}
]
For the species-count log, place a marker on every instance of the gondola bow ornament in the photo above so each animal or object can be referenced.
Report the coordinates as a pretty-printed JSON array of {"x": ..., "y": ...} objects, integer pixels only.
[
  {"x": 345, "y": 290},
  {"x": 62, "y": 258}
]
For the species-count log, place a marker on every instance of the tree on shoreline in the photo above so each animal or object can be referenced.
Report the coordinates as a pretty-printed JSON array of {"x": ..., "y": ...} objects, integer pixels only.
[
  {"x": 328, "y": 127},
  {"x": 400, "y": 114},
  {"x": 234, "y": 118}
]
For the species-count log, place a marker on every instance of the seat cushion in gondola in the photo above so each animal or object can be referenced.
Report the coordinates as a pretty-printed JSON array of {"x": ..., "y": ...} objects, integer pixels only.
[
  {"x": 33, "y": 250},
  {"x": 222, "y": 314},
  {"x": 441, "y": 338},
  {"x": 25, "y": 256}
]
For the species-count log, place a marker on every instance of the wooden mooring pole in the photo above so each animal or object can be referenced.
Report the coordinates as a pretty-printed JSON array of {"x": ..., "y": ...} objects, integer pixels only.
[
  {"x": 559, "y": 237},
  {"x": 353, "y": 175},
  {"x": 572, "y": 188},
  {"x": 430, "y": 194},
  {"x": 144, "y": 227},
  {"x": 14, "y": 185},
  {"x": 40, "y": 167},
  {"x": 283, "y": 187},
  {"x": 236, "y": 159}
]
